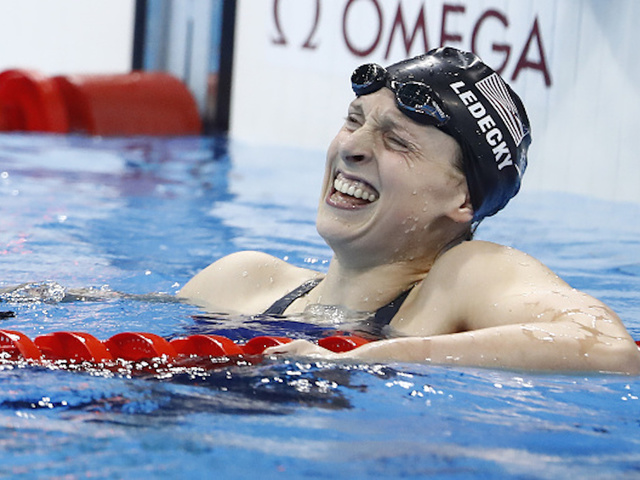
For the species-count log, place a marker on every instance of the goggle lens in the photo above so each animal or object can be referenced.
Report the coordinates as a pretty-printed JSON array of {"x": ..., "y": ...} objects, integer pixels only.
[
  {"x": 368, "y": 78},
  {"x": 417, "y": 98},
  {"x": 414, "y": 98}
]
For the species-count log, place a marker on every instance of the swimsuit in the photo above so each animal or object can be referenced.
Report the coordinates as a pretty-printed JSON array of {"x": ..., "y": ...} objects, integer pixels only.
[
  {"x": 280, "y": 305},
  {"x": 374, "y": 325}
]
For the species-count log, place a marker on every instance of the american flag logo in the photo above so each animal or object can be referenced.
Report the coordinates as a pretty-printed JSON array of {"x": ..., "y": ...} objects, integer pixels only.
[{"x": 495, "y": 90}]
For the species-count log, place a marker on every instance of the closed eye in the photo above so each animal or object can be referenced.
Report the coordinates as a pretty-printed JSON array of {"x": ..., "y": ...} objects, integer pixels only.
[
  {"x": 352, "y": 121},
  {"x": 397, "y": 142}
]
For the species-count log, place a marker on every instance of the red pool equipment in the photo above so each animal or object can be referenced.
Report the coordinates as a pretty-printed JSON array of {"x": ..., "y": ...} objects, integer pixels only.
[
  {"x": 342, "y": 343},
  {"x": 202, "y": 351},
  {"x": 30, "y": 101},
  {"x": 136, "y": 346},
  {"x": 257, "y": 345},
  {"x": 17, "y": 346},
  {"x": 138, "y": 103},
  {"x": 76, "y": 346},
  {"x": 206, "y": 346}
]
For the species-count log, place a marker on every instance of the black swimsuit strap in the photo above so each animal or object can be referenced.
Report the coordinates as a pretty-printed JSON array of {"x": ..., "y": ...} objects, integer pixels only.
[
  {"x": 384, "y": 315},
  {"x": 280, "y": 305},
  {"x": 381, "y": 318}
]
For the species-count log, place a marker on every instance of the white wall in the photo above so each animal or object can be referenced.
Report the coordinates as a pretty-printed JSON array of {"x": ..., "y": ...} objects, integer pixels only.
[
  {"x": 574, "y": 62},
  {"x": 67, "y": 36}
]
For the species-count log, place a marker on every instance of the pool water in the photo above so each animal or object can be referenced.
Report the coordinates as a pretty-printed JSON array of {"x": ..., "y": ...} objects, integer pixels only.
[{"x": 143, "y": 215}]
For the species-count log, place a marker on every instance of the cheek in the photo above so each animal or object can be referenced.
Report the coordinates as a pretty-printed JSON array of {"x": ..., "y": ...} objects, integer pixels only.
[
  {"x": 424, "y": 196},
  {"x": 411, "y": 185},
  {"x": 332, "y": 154}
]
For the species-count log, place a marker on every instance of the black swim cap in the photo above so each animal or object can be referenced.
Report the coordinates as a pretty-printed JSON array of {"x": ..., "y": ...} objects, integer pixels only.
[{"x": 456, "y": 92}]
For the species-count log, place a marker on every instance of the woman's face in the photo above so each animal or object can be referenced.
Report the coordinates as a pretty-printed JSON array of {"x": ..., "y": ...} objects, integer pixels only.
[{"x": 390, "y": 183}]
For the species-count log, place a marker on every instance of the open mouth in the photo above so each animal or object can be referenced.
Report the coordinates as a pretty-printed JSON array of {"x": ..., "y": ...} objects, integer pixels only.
[{"x": 351, "y": 193}]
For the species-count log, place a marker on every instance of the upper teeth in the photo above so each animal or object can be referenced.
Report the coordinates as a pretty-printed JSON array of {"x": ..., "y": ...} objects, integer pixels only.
[{"x": 352, "y": 189}]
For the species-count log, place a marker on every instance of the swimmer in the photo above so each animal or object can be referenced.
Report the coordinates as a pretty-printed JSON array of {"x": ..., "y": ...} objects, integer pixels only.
[{"x": 430, "y": 146}]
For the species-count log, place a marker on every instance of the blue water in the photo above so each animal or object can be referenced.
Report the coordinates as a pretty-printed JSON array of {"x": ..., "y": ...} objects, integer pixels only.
[{"x": 143, "y": 215}]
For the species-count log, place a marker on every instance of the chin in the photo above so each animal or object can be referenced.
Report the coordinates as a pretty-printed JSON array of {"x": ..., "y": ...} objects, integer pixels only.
[
  {"x": 333, "y": 229},
  {"x": 327, "y": 225}
]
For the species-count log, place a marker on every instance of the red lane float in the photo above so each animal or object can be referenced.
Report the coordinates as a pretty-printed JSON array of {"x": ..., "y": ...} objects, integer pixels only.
[
  {"x": 29, "y": 101},
  {"x": 206, "y": 345},
  {"x": 81, "y": 347},
  {"x": 16, "y": 345},
  {"x": 77, "y": 346},
  {"x": 136, "y": 346},
  {"x": 342, "y": 343},
  {"x": 136, "y": 103},
  {"x": 257, "y": 345}
]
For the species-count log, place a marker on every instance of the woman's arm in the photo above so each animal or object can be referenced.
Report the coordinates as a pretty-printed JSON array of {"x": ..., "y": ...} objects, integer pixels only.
[{"x": 560, "y": 346}]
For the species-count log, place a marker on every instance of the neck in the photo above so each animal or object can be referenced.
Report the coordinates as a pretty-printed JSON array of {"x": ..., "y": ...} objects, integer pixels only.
[
  {"x": 364, "y": 277},
  {"x": 367, "y": 288}
]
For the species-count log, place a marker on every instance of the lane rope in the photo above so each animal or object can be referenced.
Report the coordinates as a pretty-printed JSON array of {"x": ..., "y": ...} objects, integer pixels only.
[{"x": 82, "y": 347}]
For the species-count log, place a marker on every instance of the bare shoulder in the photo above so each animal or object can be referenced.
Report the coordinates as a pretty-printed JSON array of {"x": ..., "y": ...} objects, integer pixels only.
[
  {"x": 480, "y": 251},
  {"x": 495, "y": 285},
  {"x": 495, "y": 266},
  {"x": 245, "y": 282}
]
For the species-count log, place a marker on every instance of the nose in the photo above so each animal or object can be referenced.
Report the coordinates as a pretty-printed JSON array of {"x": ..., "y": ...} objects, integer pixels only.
[{"x": 357, "y": 146}]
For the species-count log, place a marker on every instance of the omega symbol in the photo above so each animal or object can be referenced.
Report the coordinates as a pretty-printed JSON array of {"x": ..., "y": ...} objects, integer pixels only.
[{"x": 281, "y": 39}]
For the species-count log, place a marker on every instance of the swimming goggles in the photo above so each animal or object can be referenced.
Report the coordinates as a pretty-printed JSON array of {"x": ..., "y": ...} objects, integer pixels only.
[{"x": 413, "y": 98}]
